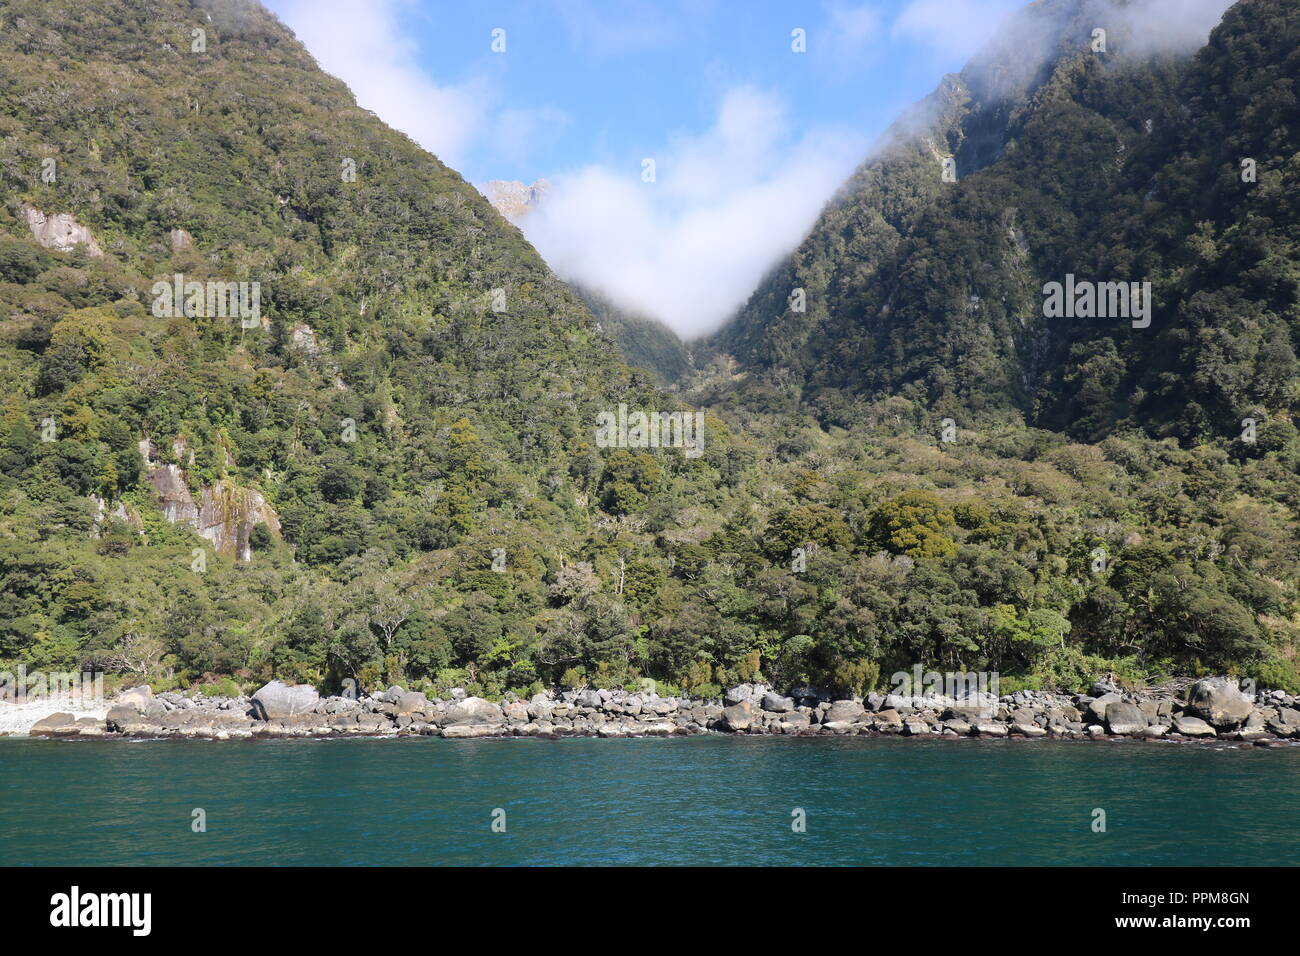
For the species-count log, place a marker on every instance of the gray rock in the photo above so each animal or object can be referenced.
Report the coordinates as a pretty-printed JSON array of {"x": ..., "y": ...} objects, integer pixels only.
[
  {"x": 516, "y": 711},
  {"x": 590, "y": 699},
  {"x": 1097, "y": 707},
  {"x": 122, "y": 716},
  {"x": 738, "y": 717},
  {"x": 1026, "y": 729},
  {"x": 55, "y": 725},
  {"x": 278, "y": 699},
  {"x": 138, "y": 697},
  {"x": 794, "y": 722},
  {"x": 741, "y": 693},
  {"x": 991, "y": 728},
  {"x": 411, "y": 703},
  {"x": 843, "y": 711},
  {"x": 472, "y": 710},
  {"x": 888, "y": 718},
  {"x": 1124, "y": 718},
  {"x": 777, "y": 704},
  {"x": 1219, "y": 702},
  {"x": 1286, "y": 723}
]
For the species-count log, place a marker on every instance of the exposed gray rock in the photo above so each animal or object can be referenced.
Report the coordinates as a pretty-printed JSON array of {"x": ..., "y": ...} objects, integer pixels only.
[
  {"x": 278, "y": 699},
  {"x": 777, "y": 704},
  {"x": 137, "y": 697},
  {"x": 59, "y": 231},
  {"x": 1097, "y": 708},
  {"x": 844, "y": 710},
  {"x": 1123, "y": 718},
  {"x": 411, "y": 703},
  {"x": 738, "y": 716},
  {"x": 1193, "y": 727},
  {"x": 55, "y": 725},
  {"x": 1220, "y": 702},
  {"x": 472, "y": 710}
]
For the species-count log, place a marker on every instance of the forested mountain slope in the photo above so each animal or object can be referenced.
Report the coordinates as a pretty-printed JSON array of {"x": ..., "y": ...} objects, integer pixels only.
[
  {"x": 386, "y": 467},
  {"x": 1128, "y": 165}
]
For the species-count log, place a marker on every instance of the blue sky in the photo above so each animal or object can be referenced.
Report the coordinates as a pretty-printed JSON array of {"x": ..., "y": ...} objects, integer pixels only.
[
  {"x": 610, "y": 81},
  {"x": 749, "y": 137}
]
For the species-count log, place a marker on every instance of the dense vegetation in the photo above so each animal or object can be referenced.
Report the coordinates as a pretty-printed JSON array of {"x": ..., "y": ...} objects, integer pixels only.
[
  {"x": 825, "y": 535},
  {"x": 1107, "y": 166}
]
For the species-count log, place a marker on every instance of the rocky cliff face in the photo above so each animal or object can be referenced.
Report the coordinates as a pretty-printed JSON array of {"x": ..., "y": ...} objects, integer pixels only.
[
  {"x": 59, "y": 232},
  {"x": 514, "y": 199},
  {"x": 225, "y": 512}
]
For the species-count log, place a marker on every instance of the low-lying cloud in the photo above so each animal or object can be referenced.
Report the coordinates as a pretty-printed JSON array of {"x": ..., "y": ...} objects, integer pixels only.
[{"x": 690, "y": 247}]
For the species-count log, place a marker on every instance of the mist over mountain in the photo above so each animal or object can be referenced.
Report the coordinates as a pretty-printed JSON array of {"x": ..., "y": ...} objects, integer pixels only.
[{"x": 1137, "y": 162}]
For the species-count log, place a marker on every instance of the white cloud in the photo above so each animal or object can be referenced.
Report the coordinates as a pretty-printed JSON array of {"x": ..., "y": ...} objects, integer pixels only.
[
  {"x": 850, "y": 32},
  {"x": 728, "y": 203},
  {"x": 1168, "y": 26},
  {"x": 362, "y": 43},
  {"x": 613, "y": 28},
  {"x": 952, "y": 28}
]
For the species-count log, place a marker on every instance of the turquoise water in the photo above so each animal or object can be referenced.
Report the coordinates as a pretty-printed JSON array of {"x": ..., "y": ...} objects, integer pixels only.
[{"x": 703, "y": 800}]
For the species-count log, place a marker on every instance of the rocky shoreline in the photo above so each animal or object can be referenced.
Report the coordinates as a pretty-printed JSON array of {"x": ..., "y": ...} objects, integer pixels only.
[{"x": 1210, "y": 709}]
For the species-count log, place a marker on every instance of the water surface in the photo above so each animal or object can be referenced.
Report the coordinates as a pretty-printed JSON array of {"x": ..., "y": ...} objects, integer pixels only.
[{"x": 701, "y": 800}]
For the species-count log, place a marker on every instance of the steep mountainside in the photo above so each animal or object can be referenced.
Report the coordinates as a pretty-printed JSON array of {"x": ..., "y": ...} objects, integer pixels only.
[
  {"x": 644, "y": 342},
  {"x": 1116, "y": 166},
  {"x": 285, "y": 397}
]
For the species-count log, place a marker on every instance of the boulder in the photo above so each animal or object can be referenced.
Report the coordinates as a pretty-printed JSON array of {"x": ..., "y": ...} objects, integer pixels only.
[
  {"x": 278, "y": 699},
  {"x": 1124, "y": 718},
  {"x": 91, "y": 727},
  {"x": 740, "y": 694},
  {"x": 794, "y": 722},
  {"x": 412, "y": 703},
  {"x": 843, "y": 711},
  {"x": 55, "y": 725},
  {"x": 121, "y": 716},
  {"x": 1026, "y": 729},
  {"x": 888, "y": 719},
  {"x": 590, "y": 699},
  {"x": 1220, "y": 702},
  {"x": 990, "y": 728},
  {"x": 464, "y": 731},
  {"x": 137, "y": 697},
  {"x": 738, "y": 716},
  {"x": 472, "y": 710},
  {"x": 1286, "y": 723},
  {"x": 777, "y": 704},
  {"x": 1097, "y": 708},
  {"x": 516, "y": 711}
]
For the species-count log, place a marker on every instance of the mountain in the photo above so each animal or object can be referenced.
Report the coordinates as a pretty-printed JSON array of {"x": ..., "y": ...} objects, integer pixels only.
[
  {"x": 644, "y": 342},
  {"x": 287, "y": 398},
  {"x": 1130, "y": 165},
  {"x": 407, "y": 375}
]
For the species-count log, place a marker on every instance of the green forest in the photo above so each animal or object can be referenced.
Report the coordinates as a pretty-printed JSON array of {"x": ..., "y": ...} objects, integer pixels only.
[{"x": 915, "y": 470}]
